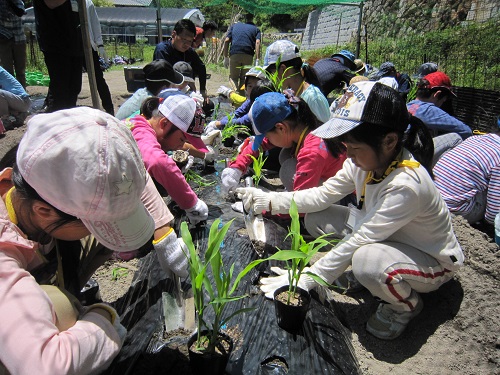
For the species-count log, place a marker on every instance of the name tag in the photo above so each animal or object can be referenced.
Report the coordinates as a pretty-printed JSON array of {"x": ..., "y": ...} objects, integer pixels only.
[{"x": 355, "y": 216}]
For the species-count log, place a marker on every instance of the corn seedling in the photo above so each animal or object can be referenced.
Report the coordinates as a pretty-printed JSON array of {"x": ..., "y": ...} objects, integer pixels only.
[
  {"x": 192, "y": 176},
  {"x": 258, "y": 163},
  {"x": 232, "y": 130},
  {"x": 274, "y": 77},
  {"x": 118, "y": 273},
  {"x": 216, "y": 284},
  {"x": 299, "y": 255}
]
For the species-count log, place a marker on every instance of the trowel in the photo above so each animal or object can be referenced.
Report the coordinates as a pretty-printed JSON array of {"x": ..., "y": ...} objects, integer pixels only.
[
  {"x": 178, "y": 305},
  {"x": 254, "y": 222}
]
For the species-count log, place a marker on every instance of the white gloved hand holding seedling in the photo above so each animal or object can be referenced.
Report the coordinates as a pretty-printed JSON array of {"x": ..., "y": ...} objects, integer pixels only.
[{"x": 271, "y": 283}]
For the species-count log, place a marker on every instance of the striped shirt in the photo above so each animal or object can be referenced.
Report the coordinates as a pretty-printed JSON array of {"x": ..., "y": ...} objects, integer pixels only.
[{"x": 470, "y": 168}]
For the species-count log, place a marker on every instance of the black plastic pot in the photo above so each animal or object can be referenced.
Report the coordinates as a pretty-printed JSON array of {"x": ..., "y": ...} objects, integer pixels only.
[
  {"x": 290, "y": 317},
  {"x": 206, "y": 363}
]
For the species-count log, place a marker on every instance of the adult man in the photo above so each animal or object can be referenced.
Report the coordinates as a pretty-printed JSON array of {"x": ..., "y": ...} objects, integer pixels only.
[
  {"x": 245, "y": 42},
  {"x": 333, "y": 72},
  {"x": 178, "y": 48},
  {"x": 12, "y": 39},
  {"x": 60, "y": 39}
]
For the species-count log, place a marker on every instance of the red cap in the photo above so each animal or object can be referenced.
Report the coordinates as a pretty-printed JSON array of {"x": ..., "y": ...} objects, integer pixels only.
[{"x": 439, "y": 80}]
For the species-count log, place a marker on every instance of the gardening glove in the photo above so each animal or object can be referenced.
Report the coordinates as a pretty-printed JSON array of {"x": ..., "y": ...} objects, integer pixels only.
[
  {"x": 197, "y": 213},
  {"x": 271, "y": 283},
  {"x": 226, "y": 62},
  {"x": 210, "y": 127},
  {"x": 198, "y": 98},
  {"x": 245, "y": 143},
  {"x": 211, "y": 155},
  {"x": 172, "y": 254},
  {"x": 214, "y": 137},
  {"x": 115, "y": 318},
  {"x": 102, "y": 53},
  {"x": 224, "y": 91},
  {"x": 230, "y": 179},
  {"x": 188, "y": 165},
  {"x": 255, "y": 199}
]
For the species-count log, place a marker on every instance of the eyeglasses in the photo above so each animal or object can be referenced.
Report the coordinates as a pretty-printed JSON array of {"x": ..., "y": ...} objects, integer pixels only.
[{"x": 185, "y": 41}]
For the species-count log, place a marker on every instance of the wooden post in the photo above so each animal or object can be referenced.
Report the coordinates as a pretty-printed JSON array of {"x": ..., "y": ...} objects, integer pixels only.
[{"x": 87, "y": 51}]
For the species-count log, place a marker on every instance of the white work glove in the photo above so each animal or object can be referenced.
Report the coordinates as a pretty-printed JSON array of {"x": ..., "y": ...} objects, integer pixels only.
[
  {"x": 224, "y": 91},
  {"x": 271, "y": 283},
  {"x": 102, "y": 53},
  {"x": 230, "y": 179},
  {"x": 115, "y": 318},
  {"x": 256, "y": 62},
  {"x": 197, "y": 213},
  {"x": 210, "y": 127},
  {"x": 198, "y": 98},
  {"x": 212, "y": 154},
  {"x": 171, "y": 252},
  {"x": 255, "y": 199},
  {"x": 188, "y": 165},
  {"x": 226, "y": 62},
  {"x": 213, "y": 138}
]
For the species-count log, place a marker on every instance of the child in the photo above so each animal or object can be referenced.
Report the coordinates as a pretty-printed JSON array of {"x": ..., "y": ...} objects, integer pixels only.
[
  {"x": 294, "y": 74},
  {"x": 399, "y": 239},
  {"x": 285, "y": 121},
  {"x": 240, "y": 116},
  {"x": 159, "y": 75},
  {"x": 78, "y": 176},
  {"x": 166, "y": 128}
]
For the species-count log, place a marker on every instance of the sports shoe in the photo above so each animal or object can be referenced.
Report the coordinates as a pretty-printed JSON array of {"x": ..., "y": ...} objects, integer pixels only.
[{"x": 387, "y": 324}]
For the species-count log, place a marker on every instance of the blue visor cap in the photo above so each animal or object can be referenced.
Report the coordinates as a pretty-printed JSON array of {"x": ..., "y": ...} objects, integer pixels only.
[{"x": 267, "y": 110}]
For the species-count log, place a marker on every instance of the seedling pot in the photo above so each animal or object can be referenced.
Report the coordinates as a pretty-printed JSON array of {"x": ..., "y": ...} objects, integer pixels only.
[
  {"x": 291, "y": 317},
  {"x": 210, "y": 363}
]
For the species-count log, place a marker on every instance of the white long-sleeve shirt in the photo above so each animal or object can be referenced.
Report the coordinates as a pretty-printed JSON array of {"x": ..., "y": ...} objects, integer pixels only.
[{"x": 405, "y": 207}]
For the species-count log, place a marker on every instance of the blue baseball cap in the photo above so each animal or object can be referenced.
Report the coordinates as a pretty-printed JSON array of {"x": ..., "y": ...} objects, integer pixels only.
[
  {"x": 267, "y": 110},
  {"x": 348, "y": 58}
]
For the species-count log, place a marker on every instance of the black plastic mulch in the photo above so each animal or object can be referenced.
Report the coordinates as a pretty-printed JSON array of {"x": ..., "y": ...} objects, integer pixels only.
[{"x": 322, "y": 347}]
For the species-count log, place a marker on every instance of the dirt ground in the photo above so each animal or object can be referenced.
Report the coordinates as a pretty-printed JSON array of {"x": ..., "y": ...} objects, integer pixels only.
[{"x": 456, "y": 333}]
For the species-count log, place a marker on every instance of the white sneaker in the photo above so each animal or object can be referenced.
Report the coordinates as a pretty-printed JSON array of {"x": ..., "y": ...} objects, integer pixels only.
[{"x": 387, "y": 324}]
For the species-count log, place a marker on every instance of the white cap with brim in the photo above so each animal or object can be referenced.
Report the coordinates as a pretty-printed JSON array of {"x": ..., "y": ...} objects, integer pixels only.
[
  {"x": 284, "y": 50},
  {"x": 366, "y": 101},
  {"x": 181, "y": 110},
  {"x": 86, "y": 163}
]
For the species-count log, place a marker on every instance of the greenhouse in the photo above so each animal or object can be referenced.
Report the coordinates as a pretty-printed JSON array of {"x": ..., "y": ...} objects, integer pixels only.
[{"x": 131, "y": 24}]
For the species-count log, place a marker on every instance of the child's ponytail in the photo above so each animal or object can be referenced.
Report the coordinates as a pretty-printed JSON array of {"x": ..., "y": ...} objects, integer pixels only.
[{"x": 418, "y": 140}]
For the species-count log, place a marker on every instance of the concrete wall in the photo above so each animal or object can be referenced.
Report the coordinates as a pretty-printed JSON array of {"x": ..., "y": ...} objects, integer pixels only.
[
  {"x": 337, "y": 24},
  {"x": 332, "y": 25}
]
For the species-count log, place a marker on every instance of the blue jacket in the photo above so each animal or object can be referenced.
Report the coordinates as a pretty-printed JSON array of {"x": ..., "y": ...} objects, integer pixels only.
[{"x": 437, "y": 120}]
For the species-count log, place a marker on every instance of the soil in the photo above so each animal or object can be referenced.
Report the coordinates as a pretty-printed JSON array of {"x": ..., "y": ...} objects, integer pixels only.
[{"x": 456, "y": 333}]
